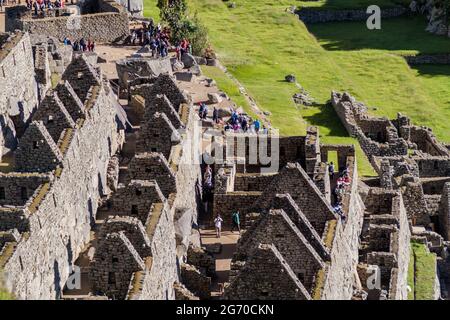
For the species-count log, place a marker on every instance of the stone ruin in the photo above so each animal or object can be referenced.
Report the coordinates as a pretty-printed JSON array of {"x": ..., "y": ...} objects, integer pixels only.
[
  {"x": 55, "y": 179},
  {"x": 113, "y": 195},
  {"x": 293, "y": 245},
  {"x": 409, "y": 160},
  {"x": 83, "y": 188},
  {"x": 103, "y": 21},
  {"x": 143, "y": 228}
]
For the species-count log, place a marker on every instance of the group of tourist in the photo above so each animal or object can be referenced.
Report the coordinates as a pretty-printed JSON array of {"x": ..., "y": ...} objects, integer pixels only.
[
  {"x": 80, "y": 45},
  {"x": 241, "y": 123},
  {"x": 154, "y": 36},
  {"x": 342, "y": 182},
  {"x": 235, "y": 223},
  {"x": 42, "y": 5},
  {"x": 183, "y": 47}
]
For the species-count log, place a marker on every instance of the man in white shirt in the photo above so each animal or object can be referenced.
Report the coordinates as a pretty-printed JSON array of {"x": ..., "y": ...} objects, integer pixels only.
[{"x": 218, "y": 224}]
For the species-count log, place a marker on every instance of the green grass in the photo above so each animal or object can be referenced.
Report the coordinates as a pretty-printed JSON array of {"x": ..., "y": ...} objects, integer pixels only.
[
  {"x": 260, "y": 43},
  {"x": 228, "y": 86},
  {"x": 421, "y": 273},
  {"x": 151, "y": 10}
]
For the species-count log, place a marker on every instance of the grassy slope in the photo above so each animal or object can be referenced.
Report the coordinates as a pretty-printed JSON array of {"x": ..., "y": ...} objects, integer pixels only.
[
  {"x": 260, "y": 43},
  {"x": 421, "y": 273}
]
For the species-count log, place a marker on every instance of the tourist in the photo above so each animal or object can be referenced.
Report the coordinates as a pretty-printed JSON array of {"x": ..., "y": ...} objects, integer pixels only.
[
  {"x": 257, "y": 125},
  {"x": 76, "y": 46},
  {"x": 201, "y": 109},
  {"x": 218, "y": 224},
  {"x": 153, "y": 47},
  {"x": 208, "y": 173},
  {"x": 215, "y": 115},
  {"x": 331, "y": 170},
  {"x": 236, "y": 223},
  {"x": 82, "y": 44},
  {"x": 338, "y": 209},
  {"x": 36, "y": 7},
  {"x": 244, "y": 124},
  {"x": 346, "y": 180},
  {"x": 133, "y": 36}
]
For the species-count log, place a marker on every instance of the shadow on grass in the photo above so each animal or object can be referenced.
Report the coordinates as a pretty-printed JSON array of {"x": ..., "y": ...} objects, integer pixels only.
[
  {"x": 324, "y": 116},
  {"x": 362, "y": 4},
  {"x": 429, "y": 70},
  {"x": 397, "y": 34}
]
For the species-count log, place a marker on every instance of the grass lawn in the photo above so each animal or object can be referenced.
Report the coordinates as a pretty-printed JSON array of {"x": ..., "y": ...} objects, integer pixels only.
[
  {"x": 226, "y": 85},
  {"x": 421, "y": 273},
  {"x": 260, "y": 43}
]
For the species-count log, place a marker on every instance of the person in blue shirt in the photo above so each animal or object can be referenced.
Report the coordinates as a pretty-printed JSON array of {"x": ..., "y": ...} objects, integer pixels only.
[{"x": 236, "y": 223}]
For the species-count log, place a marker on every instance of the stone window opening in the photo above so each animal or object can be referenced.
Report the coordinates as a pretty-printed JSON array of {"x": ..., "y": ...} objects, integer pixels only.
[
  {"x": 138, "y": 192},
  {"x": 21, "y": 263},
  {"x": 79, "y": 75},
  {"x": 2, "y": 193},
  {"x": 301, "y": 276},
  {"x": 23, "y": 193},
  {"x": 282, "y": 152},
  {"x": 134, "y": 209},
  {"x": 265, "y": 293},
  {"x": 111, "y": 278},
  {"x": 50, "y": 119},
  {"x": 279, "y": 235},
  {"x": 436, "y": 165},
  {"x": 35, "y": 145},
  {"x": 156, "y": 135},
  {"x": 153, "y": 149},
  {"x": 115, "y": 260},
  {"x": 148, "y": 170}
]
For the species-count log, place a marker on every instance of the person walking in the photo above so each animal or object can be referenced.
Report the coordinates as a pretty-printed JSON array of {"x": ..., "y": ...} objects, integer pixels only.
[
  {"x": 215, "y": 115},
  {"x": 236, "y": 222},
  {"x": 218, "y": 224},
  {"x": 331, "y": 170}
]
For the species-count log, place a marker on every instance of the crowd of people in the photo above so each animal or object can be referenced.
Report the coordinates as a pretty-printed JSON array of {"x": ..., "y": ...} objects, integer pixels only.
[
  {"x": 338, "y": 192},
  {"x": 155, "y": 36},
  {"x": 42, "y": 5},
  {"x": 237, "y": 123},
  {"x": 80, "y": 45}
]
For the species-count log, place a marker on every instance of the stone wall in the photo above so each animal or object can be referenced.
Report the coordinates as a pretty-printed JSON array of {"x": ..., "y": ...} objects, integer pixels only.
[
  {"x": 253, "y": 281},
  {"x": 444, "y": 212},
  {"x": 16, "y": 188},
  {"x": 227, "y": 203},
  {"x": 60, "y": 224},
  {"x": 106, "y": 27},
  {"x": 377, "y": 136},
  {"x": 252, "y": 182},
  {"x": 18, "y": 88},
  {"x": 339, "y": 281}
]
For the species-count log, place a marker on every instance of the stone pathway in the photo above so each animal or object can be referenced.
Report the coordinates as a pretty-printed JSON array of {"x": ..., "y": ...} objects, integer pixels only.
[{"x": 228, "y": 242}]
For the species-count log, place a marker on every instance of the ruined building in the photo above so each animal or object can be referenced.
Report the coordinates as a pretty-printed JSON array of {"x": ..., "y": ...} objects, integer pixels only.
[{"x": 411, "y": 162}]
